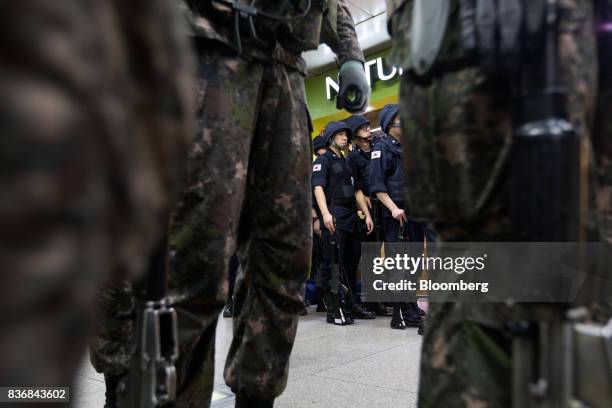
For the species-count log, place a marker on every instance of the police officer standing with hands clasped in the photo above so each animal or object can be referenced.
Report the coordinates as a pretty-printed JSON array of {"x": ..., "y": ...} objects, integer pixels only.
[{"x": 338, "y": 194}]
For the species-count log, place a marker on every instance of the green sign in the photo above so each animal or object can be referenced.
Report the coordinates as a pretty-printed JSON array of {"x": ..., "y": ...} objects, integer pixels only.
[{"x": 382, "y": 76}]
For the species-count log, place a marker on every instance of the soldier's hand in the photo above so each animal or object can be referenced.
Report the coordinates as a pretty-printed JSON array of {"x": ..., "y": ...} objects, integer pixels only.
[
  {"x": 328, "y": 220},
  {"x": 369, "y": 224},
  {"x": 354, "y": 90},
  {"x": 399, "y": 215}
]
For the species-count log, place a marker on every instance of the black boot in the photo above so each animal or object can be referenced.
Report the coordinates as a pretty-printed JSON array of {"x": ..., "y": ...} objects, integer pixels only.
[
  {"x": 335, "y": 313},
  {"x": 243, "y": 401},
  {"x": 358, "y": 312},
  {"x": 319, "y": 300},
  {"x": 415, "y": 306},
  {"x": 421, "y": 328},
  {"x": 412, "y": 318},
  {"x": 340, "y": 317},
  {"x": 378, "y": 308},
  {"x": 397, "y": 322},
  {"x": 111, "y": 381}
]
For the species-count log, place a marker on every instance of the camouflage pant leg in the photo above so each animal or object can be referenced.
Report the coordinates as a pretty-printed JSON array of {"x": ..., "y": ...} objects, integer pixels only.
[
  {"x": 603, "y": 153},
  {"x": 110, "y": 348},
  {"x": 234, "y": 97},
  {"x": 464, "y": 363},
  {"x": 274, "y": 240},
  {"x": 205, "y": 220},
  {"x": 55, "y": 200}
]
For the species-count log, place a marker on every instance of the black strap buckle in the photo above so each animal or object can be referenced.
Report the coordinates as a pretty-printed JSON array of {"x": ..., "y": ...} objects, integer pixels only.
[{"x": 249, "y": 13}]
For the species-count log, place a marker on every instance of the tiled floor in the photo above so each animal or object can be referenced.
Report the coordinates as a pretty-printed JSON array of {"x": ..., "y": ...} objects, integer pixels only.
[{"x": 363, "y": 365}]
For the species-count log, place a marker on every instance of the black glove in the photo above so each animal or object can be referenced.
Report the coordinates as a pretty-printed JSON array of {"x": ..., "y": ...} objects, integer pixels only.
[{"x": 354, "y": 88}]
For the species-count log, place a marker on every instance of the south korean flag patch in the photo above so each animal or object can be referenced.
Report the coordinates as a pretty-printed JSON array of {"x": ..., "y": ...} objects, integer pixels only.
[
  {"x": 316, "y": 167},
  {"x": 376, "y": 154}
]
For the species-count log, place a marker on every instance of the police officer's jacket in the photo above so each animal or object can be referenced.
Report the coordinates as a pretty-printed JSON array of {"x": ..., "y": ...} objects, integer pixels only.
[
  {"x": 360, "y": 160},
  {"x": 386, "y": 173},
  {"x": 338, "y": 178}
]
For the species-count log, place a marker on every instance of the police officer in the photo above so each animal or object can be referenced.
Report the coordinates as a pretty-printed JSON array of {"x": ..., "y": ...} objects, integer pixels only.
[
  {"x": 386, "y": 181},
  {"x": 338, "y": 194},
  {"x": 318, "y": 147},
  {"x": 359, "y": 158}
]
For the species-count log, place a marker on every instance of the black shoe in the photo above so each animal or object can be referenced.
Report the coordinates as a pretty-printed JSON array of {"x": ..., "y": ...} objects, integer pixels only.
[
  {"x": 358, "y": 312},
  {"x": 415, "y": 307},
  {"x": 306, "y": 303},
  {"x": 340, "y": 318},
  {"x": 253, "y": 402},
  {"x": 228, "y": 310},
  {"x": 321, "y": 307},
  {"x": 421, "y": 329},
  {"x": 411, "y": 317},
  {"x": 397, "y": 322},
  {"x": 378, "y": 308},
  {"x": 411, "y": 322},
  {"x": 304, "y": 312},
  {"x": 111, "y": 382}
]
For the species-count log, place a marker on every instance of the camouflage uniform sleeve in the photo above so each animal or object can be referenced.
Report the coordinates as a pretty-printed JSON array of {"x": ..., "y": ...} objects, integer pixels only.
[
  {"x": 399, "y": 15},
  {"x": 343, "y": 41}
]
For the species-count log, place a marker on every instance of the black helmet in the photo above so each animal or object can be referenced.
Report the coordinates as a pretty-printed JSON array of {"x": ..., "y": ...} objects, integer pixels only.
[
  {"x": 332, "y": 128},
  {"x": 386, "y": 115},
  {"x": 318, "y": 143},
  {"x": 355, "y": 122}
]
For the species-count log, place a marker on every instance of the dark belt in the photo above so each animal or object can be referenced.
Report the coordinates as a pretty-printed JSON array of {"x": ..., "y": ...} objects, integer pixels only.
[{"x": 342, "y": 202}]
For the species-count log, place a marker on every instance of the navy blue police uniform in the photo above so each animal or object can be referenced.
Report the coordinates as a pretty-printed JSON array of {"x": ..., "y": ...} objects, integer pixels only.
[
  {"x": 387, "y": 175},
  {"x": 317, "y": 144},
  {"x": 337, "y": 176},
  {"x": 360, "y": 160}
]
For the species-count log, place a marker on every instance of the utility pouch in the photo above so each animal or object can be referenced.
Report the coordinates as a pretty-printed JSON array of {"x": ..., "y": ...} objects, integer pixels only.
[{"x": 429, "y": 21}]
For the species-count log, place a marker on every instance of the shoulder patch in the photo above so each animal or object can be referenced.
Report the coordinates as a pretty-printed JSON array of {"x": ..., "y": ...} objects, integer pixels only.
[
  {"x": 376, "y": 154},
  {"x": 316, "y": 167}
]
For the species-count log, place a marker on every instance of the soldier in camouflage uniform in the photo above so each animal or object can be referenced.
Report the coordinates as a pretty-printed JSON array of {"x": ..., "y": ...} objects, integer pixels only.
[
  {"x": 459, "y": 126},
  {"x": 247, "y": 188},
  {"x": 96, "y": 115}
]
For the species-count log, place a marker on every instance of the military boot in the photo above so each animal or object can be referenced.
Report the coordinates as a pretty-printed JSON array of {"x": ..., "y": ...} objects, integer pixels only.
[
  {"x": 415, "y": 306},
  {"x": 321, "y": 308},
  {"x": 111, "y": 382},
  {"x": 412, "y": 318},
  {"x": 421, "y": 328},
  {"x": 397, "y": 321},
  {"x": 358, "y": 311},
  {"x": 378, "y": 308},
  {"x": 243, "y": 401},
  {"x": 336, "y": 314}
]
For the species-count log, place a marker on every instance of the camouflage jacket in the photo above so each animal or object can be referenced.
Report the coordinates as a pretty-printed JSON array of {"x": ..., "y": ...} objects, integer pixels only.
[
  {"x": 399, "y": 15},
  {"x": 328, "y": 22}
]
